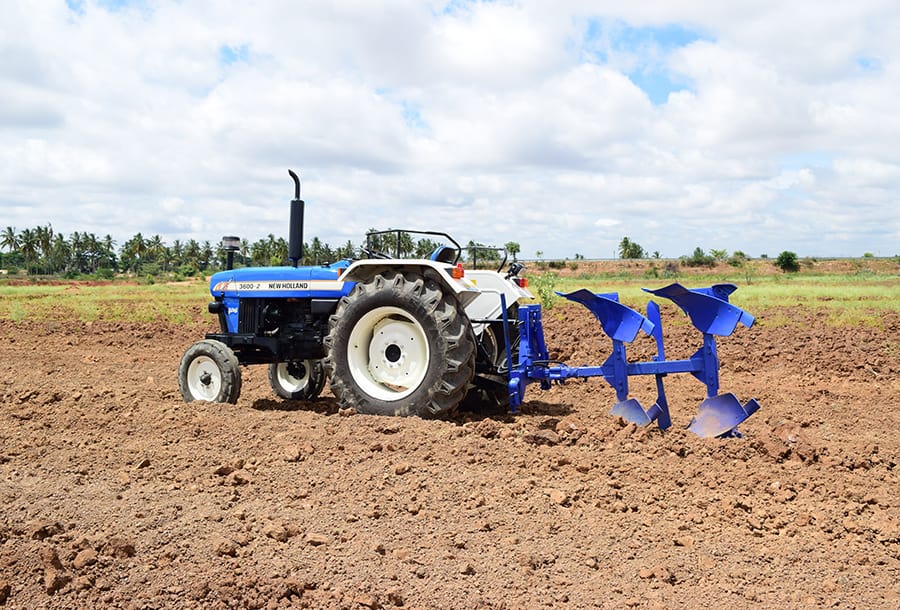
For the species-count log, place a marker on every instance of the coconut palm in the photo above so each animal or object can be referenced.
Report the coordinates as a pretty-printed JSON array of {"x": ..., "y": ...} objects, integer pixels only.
[
  {"x": 9, "y": 239},
  {"x": 28, "y": 246}
]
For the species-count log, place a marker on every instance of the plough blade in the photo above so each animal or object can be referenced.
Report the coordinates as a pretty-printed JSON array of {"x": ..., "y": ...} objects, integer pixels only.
[
  {"x": 631, "y": 410},
  {"x": 708, "y": 311},
  {"x": 719, "y": 415},
  {"x": 619, "y": 322}
]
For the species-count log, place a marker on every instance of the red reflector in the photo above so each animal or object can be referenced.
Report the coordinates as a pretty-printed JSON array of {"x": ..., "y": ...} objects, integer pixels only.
[
  {"x": 459, "y": 272},
  {"x": 522, "y": 282}
]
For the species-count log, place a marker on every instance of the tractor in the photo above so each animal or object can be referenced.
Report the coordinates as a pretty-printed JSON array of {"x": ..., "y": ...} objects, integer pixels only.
[
  {"x": 422, "y": 336},
  {"x": 392, "y": 336}
]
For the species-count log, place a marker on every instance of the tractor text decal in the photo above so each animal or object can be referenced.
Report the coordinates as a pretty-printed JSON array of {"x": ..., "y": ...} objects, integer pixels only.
[{"x": 277, "y": 286}]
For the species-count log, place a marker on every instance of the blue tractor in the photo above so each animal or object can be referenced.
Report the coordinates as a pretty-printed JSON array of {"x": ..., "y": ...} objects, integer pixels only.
[
  {"x": 398, "y": 336},
  {"x": 392, "y": 336}
]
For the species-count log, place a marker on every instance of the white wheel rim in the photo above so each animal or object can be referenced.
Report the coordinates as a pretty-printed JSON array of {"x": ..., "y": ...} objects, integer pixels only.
[
  {"x": 290, "y": 383},
  {"x": 388, "y": 353},
  {"x": 204, "y": 379}
]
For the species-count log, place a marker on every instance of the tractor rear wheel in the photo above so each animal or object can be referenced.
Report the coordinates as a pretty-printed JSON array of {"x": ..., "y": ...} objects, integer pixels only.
[
  {"x": 209, "y": 371},
  {"x": 297, "y": 379},
  {"x": 398, "y": 345}
]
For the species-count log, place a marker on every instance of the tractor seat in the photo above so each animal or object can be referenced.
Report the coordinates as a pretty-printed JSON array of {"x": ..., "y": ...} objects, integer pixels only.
[{"x": 443, "y": 254}]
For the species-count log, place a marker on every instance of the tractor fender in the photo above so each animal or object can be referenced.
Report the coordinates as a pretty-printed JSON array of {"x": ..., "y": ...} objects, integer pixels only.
[
  {"x": 461, "y": 288},
  {"x": 487, "y": 306}
]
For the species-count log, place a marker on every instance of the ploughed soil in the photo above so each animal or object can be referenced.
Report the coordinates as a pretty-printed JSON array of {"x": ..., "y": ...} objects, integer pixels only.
[{"x": 114, "y": 493}]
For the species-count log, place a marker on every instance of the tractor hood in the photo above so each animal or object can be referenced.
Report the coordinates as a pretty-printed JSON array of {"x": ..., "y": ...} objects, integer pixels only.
[{"x": 284, "y": 282}]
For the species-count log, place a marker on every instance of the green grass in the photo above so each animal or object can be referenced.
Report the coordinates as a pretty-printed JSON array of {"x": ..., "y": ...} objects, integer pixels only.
[
  {"x": 844, "y": 300},
  {"x": 174, "y": 303}
]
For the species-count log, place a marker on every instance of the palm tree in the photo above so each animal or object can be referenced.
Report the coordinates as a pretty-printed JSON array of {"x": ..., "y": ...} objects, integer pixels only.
[
  {"x": 76, "y": 252},
  {"x": 206, "y": 255},
  {"x": 315, "y": 251},
  {"x": 109, "y": 251},
  {"x": 347, "y": 251},
  {"x": 167, "y": 257},
  {"x": 9, "y": 239},
  {"x": 155, "y": 247},
  {"x": 43, "y": 237},
  {"x": 260, "y": 253},
  {"x": 135, "y": 252},
  {"x": 93, "y": 250},
  {"x": 59, "y": 254},
  {"x": 29, "y": 248},
  {"x": 245, "y": 250},
  {"x": 630, "y": 249},
  {"x": 280, "y": 252},
  {"x": 192, "y": 254}
]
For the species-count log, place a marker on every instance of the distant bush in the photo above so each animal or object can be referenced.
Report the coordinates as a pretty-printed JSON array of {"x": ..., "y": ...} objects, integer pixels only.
[
  {"x": 556, "y": 264},
  {"x": 573, "y": 266},
  {"x": 737, "y": 259},
  {"x": 787, "y": 261},
  {"x": 670, "y": 270},
  {"x": 699, "y": 259}
]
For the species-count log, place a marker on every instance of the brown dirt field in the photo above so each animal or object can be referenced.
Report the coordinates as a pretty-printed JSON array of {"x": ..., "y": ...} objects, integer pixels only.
[{"x": 116, "y": 494}]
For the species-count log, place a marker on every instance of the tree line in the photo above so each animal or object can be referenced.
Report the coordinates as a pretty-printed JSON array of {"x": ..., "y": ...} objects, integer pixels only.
[
  {"x": 786, "y": 260},
  {"x": 43, "y": 251}
]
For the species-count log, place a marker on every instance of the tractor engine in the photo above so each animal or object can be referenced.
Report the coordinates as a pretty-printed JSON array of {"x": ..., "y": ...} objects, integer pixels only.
[{"x": 277, "y": 329}]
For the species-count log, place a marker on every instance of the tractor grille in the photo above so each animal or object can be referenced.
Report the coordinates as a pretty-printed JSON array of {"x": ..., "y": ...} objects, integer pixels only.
[{"x": 248, "y": 315}]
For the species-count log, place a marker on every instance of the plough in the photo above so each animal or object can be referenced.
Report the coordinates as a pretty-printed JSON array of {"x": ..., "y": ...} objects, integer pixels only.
[{"x": 708, "y": 310}]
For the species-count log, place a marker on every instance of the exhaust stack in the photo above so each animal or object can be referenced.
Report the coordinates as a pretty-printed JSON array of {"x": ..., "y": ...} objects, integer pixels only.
[
  {"x": 231, "y": 244},
  {"x": 295, "y": 242}
]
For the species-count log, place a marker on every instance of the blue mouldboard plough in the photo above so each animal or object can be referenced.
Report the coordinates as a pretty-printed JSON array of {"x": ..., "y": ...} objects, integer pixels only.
[{"x": 708, "y": 310}]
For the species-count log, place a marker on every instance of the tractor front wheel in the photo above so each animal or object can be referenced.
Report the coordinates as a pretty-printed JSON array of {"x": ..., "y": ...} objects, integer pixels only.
[
  {"x": 398, "y": 345},
  {"x": 209, "y": 371},
  {"x": 297, "y": 379}
]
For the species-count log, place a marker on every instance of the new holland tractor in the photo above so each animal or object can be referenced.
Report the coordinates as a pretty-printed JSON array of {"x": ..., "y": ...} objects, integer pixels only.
[{"x": 395, "y": 336}]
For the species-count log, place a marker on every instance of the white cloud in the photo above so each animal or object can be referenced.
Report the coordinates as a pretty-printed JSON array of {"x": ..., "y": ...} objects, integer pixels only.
[{"x": 489, "y": 120}]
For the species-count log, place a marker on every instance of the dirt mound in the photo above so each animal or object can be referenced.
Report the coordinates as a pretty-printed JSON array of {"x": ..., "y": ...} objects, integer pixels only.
[{"x": 117, "y": 494}]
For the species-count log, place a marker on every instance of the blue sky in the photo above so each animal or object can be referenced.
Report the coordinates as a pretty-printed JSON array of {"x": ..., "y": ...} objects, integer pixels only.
[
  {"x": 563, "y": 126},
  {"x": 642, "y": 52}
]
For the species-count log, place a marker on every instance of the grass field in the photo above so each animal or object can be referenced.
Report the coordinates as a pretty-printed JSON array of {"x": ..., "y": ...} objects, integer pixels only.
[
  {"x": 854, "y": 298},
  {"x": 843, "y": 299},
  {"x": 178, "y": 303}
]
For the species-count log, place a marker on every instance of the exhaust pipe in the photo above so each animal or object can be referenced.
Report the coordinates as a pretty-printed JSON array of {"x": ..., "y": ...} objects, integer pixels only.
[
  {"x": 295, "y": 242},
  {"x": 231, "y": 244}
]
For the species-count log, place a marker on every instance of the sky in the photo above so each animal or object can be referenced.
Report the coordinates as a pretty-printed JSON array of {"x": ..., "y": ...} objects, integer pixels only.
[{"x": 759, "y": 126}]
